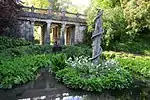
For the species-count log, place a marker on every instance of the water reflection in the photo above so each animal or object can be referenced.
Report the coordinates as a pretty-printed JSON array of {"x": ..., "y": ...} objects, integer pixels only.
[
  {"x": 47, "y": 88},
  {"x": 50, "y": 98},
  {"x": 134, "y": 94}
]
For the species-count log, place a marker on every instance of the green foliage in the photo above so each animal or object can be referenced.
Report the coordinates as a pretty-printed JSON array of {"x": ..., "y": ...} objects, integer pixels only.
[
  {"x": 122, "y": 19},
  {"x": 21, "y": 70},
  {"x": 55, "y": 4},
  {"x": 100, "y": 4},
  {"x": 114, "y": 26},
  {"x": 6, "y": 42},
  {"x": 58, "y": 62},
  {"x": 76, "y": 51},
  {"x": 114, "y": 23},
  {"x": 137, "y": 14},
  {"x": 111, "y": 55},
  {"x": 37, "y": 3},
  {"x": 87, "y": 38},
  {"x": 139, "y": 65},
  {"x": 135, "y": 47},
  {"x": 11, "y": 53},
  {"x": 81, "y": 74},
  {"x": 9, "y": 12}
]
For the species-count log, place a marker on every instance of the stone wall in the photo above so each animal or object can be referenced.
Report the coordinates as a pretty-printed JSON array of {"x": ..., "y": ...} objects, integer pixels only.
[
  {"x": 26, "y": 30},
  {"x": 79, "y": 34}
]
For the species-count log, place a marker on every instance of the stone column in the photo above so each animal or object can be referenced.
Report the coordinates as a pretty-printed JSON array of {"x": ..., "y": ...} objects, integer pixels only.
[
  {"x": 54, "y": 33},
  {"x": 47, "y": 33},
  {"x": 62, "y": 34},
  {"x": 58, "y": 34},
  {"x": 77, "y": 33},
  {"x": 65, "y": 36},
  {"x": 31, "y": 35},
  {"x": 68, "y": 36},
  {"x": 72, "y": 35}
]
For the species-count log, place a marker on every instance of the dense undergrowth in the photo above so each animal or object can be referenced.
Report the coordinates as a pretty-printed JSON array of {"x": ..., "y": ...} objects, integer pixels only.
[
  {"x": 6, "y": 42},
  {"x": 135, "y": 64},
  {"x": 80, "y": 73},
  {"x": 72, "y": 66},
  {"x": 10, "y": 53},
  {"x": 21, "y": 70},
  {"x": 140, "y": 46}
]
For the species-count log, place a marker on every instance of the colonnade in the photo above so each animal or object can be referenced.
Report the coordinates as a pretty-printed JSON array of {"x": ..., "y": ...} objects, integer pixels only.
[{"x": 64, "y": 34}]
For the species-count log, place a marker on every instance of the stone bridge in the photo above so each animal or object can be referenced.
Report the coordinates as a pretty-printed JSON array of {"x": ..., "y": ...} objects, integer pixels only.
[{"x": 64, "y": 27}]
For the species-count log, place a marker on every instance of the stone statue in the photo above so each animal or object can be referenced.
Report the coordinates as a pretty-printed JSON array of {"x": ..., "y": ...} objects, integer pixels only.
[{"x": 96, "y": 38}]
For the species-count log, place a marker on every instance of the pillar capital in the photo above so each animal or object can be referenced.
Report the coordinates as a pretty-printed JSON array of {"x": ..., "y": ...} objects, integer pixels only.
[
  {"x": 49, "y": 22},
  {"x": 32, "y": 21},
  {"x": 64, "y": 23},
  {"x": 77, "y": 25}
]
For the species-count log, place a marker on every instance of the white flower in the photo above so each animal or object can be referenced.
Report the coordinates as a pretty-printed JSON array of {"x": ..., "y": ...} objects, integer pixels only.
[{"x": 117, "y": 69}]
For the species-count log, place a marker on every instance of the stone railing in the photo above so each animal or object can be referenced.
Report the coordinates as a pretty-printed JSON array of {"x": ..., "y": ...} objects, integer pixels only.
[{"x": 51, "y": 12}]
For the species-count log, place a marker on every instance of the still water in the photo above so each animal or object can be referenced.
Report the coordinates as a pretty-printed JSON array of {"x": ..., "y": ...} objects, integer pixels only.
[{"x": 45, "y": 87}]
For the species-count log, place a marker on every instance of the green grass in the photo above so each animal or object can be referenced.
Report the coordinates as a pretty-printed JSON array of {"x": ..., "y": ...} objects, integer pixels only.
[{"x": 139, "y": 46}]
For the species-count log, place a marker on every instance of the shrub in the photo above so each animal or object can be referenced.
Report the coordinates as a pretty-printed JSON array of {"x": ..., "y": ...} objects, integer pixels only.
[
  {"x": 6, "y": 42},
  {"x": 136, "y": 47},
  {"x": 136, "y": 64},
  {"x": 11, "y": 53},
  {"x": 9, "y": 10},
  {"x": 77, "y": 51},
  {"x": 81, "y": 74},
  {"x": 114, "y": 26},
  {"x": 58, "y": 62},
  {"x": 21, "y": 70},
  {"x": 112, "y": 55}
]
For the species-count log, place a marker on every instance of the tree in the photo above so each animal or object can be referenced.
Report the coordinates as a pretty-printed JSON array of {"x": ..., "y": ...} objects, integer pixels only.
[
  {"x": 54, "y": 4},
  {"x": 122, "y": 18},
  {"x": 36, "y": 3},
  {"x": 137, "y": 14},
  {"x": 100, "y": 4},
  {"x": 9, "y": 10},
  {"x": 114, "y": 22}
]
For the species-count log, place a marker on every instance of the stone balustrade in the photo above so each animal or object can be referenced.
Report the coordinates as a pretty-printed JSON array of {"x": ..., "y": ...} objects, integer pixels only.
[{"x": 62, "y": 15}]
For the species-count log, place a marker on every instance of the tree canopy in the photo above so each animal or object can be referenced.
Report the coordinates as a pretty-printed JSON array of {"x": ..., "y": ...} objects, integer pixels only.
[
  {"x": 121, "y": 18},
  {"x": 137, "y": 14},
  {"x": 9, "y": 11},
  {"x": 54, "y": 4}
]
